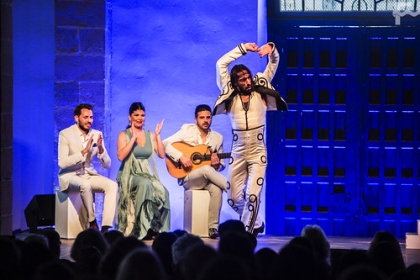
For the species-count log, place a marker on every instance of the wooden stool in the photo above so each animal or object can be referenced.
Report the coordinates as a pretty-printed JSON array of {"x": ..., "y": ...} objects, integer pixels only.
[{"x": 196, "y": 212}]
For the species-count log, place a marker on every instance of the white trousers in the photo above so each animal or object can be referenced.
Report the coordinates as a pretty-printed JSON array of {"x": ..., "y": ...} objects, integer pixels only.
[
  {"x": 207, "y": 178},
  {"x": 246, "y": 174},
  {"x": 88, "y": 184}
]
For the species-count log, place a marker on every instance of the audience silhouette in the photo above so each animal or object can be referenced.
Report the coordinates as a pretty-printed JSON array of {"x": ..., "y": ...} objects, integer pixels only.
[{"x": 179, "y": 255}]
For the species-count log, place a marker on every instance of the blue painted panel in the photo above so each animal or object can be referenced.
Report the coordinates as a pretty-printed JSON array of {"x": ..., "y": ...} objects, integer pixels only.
[{"x": 351, "y": 135}]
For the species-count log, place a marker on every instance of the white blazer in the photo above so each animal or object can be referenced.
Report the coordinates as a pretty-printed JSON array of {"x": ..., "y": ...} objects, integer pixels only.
[{"x": 70, "y": 159}]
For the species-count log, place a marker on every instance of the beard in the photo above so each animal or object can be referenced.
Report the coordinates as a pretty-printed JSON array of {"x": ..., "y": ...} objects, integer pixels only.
[
  {"x": 83, "y": 128},
  {"x": 244, "y": 91}
]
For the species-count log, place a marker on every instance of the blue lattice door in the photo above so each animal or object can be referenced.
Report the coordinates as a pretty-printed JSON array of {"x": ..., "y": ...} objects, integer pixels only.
[{"x": 346, "y": 155}]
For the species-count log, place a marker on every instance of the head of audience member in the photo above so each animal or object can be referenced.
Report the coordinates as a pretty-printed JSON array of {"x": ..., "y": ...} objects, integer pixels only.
[
  {"x": 229, "y": 225},
  {"x": 112, "y": 236},
  {"x": 195, "y": 259},
  {"x": 182, "y": 244},
  {"x": 241, "y": 79},
  {"x": 88, "y": 261},
  {"x": 264, "y": 259},
  {"x": 55, "y": 269},
  {"x": 179, "y": 232},
  {"x": 83, "y": 116},
  {"x": 135, "y": 106},
  {"x": 162, "y": 246},
  {"x": 362, "y": 272},
  {"x": 385, "y": 253},
  {"x": 10, "y": 258},
  {"x": 295, "y": 261},
  {"x": 303, "y": 242},
  {"x": 37, "y": 238},
  {"x": 88, "y": 238},
  {"x": 122, "y": 247},
  {"x": 321, "y": 266},
  {"x": 347, "y": 259},
  {"x": 34, "y": 253},
  {"x": 54, "y": 242},
  {"x": 239, "y": 245},
  {"x": 141, "y": 263},
  {"x": 383, "y": 235},
  {"x": 413, "y": 271},
  {"x": 225, "y": 268},
  {"x": 319, "y": 241}
]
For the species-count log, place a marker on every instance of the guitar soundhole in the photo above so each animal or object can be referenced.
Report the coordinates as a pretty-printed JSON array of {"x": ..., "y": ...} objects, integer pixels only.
[{"x": 196, "y": 158}]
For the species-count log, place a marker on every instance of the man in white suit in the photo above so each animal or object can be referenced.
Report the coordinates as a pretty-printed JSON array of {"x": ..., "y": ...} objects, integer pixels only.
[{"x": 77, "y": 145}]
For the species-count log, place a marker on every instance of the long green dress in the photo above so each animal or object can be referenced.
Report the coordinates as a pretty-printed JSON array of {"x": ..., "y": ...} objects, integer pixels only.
[{"x": 140, "y": 186}]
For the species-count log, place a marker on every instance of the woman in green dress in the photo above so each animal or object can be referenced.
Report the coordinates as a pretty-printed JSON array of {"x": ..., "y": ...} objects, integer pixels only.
[{"x": 143, "y": 206}]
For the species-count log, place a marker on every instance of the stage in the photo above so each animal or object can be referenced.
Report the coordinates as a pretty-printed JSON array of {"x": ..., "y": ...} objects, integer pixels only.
[{"x": 338, "y": 245}]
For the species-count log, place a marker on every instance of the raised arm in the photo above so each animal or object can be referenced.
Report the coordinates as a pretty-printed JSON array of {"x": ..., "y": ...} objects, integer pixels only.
[
  {"x": 159, "y": 147},
  {"x": 222, "y": 65},
  {"x": 270, "y": 50},
  {"x": 103, "y": 156}
]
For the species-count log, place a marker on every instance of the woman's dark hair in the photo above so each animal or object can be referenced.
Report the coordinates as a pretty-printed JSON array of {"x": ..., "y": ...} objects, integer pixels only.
[{"x": 134, "y": 107}]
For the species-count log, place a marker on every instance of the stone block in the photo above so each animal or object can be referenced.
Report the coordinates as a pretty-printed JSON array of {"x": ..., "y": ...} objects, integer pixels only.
[
  {"x": 77, "y": 68},
  {"x": 6, "y": 131},
  {"x": 80, "y": 13},
  {"x": 6, "y": 163},
  {"x": 92, "y": 41},
  {"x": 7, "y": 93},
  {"x": 66, "y": 93},
  {"x": 66, "y": 40},
  {"x": 6, "y": 196}
]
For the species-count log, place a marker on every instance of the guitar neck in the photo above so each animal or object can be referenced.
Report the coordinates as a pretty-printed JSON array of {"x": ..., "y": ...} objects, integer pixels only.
[{"x": 220, "y": 156}]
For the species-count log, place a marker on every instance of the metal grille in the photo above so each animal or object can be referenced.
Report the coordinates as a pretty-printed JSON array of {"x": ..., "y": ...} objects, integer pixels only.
[{"x": 348, "y": 5}]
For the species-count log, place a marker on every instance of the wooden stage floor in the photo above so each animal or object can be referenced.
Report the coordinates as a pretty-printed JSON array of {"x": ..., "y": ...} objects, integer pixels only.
[{"x": 411, "y": 256}]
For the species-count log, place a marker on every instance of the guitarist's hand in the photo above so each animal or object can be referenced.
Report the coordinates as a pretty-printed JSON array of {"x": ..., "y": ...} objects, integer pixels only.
[
  {"x": 185, "y": 161},
  {"x": 215, "y": 161}
]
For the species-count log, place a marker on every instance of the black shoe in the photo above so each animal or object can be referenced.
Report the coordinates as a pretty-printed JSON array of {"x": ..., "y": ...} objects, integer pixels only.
[
  {"x": 259, "y": 230},
  {"x": 213, "y": 233},
  {"x": 94, "y": 224},
  {"x": 151, "y": 234},
  {"x": 105, "y": 229}
]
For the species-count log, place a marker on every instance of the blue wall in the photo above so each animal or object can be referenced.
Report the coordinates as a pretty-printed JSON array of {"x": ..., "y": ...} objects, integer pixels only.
[
  {"x": 162, "y": 53},
  {"x": 33, "y": 103}
]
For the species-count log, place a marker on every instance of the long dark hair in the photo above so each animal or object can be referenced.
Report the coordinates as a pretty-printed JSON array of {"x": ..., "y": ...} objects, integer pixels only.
[
  {"x": 234, "y": 74},
  {"x": 134, "y": 107}
]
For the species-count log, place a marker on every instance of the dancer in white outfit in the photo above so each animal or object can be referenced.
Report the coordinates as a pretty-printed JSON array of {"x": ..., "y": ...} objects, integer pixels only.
[{"x": 246, "y": 101}]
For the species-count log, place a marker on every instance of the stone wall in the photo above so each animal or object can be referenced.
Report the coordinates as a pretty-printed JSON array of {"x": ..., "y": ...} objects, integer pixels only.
[
  {"x": 6, "y": 121},
  {"x": 79, "y": 67}
]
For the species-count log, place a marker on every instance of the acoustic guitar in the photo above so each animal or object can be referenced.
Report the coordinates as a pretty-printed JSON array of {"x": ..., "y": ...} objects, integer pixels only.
[{"x": 200, "y": 155}]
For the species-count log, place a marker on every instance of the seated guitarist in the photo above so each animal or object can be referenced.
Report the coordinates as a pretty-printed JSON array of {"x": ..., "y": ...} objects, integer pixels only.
[{"x": 207, "y": 176}]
